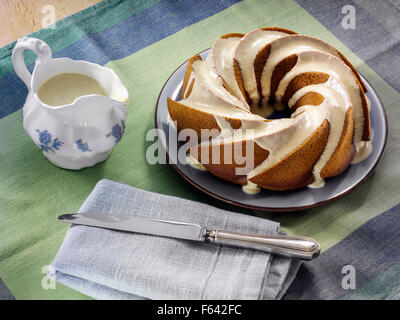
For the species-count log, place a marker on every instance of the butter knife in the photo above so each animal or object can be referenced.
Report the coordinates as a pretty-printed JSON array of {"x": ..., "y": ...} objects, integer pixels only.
[{"x": 290, "y": 246}]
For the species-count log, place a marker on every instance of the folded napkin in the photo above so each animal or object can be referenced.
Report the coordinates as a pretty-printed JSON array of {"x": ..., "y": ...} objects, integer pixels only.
[{"x": 107, "y": 264}]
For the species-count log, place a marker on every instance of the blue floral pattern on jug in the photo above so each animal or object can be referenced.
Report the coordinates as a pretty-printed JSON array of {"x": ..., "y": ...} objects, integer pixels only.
[
  {"x": 82, "y": 146},
  {"x": 47, "y": 143},
  {"x": 117, "y": 131}
]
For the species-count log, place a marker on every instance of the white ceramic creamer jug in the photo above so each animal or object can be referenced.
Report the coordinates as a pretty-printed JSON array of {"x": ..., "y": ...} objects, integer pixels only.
[{"x": 79, "y": 134}]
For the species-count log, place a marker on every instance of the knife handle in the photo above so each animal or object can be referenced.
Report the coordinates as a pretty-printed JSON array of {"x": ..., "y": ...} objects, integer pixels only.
[{"x": 290, "y": 246}]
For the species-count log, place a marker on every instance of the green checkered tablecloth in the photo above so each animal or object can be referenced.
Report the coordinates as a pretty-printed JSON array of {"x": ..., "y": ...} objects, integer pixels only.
[{"x": 144, "y": 42}]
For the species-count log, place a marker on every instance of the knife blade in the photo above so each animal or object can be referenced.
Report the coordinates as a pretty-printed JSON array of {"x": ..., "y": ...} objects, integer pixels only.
[{"x": 291, "y": 246}]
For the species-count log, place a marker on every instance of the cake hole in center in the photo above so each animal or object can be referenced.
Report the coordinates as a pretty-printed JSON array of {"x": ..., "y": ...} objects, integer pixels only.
[{"x": 272, "y": 110}]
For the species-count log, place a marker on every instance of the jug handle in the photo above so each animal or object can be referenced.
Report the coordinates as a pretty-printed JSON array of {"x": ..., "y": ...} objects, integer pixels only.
[{"x": 38, "y": 46}]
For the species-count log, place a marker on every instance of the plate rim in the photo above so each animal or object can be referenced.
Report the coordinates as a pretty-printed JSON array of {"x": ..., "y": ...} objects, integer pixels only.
[{"x": 263, "y": 208}]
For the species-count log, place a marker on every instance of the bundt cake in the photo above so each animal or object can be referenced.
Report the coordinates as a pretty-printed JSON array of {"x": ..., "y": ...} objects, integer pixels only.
[{"x": 227, "y": 99}]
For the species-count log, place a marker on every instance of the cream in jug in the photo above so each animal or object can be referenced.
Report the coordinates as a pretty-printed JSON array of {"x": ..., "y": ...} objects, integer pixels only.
[
  {"x": 75, "y": 110},
  {"x": 64, "y": 88}
]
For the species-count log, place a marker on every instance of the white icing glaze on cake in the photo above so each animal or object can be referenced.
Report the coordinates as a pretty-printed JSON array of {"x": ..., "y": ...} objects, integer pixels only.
[
  {"x": 286, "y": 46},
  {"x": 363, "y": 150},
  {"x": 338, "y": 99},
  {"x": 251, "y": 188},
  {"x": 191, "y": 161},
  {"x": 245, "y": 54},
  {"x": 289, "y": 135},
  {"x": 222, "y": 54},
  {"x": 315, "y": 61},
  {"x": 280, "y": 136}
]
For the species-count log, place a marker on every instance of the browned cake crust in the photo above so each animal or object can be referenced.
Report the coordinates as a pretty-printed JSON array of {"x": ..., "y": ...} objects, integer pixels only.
[
  {"x": 278, "y": 29},
  {"x": 187, "y": 76},
  {"x": 189, "y": 91},
  {"x": 367, "y": 124},
  {"x": 303, "y": 80},
  {"x": 257, "y": 65},
  {"x": 344, "y": 152},
  {"x": 280, "y": 71},
  {"x": 227, "y": 36},
  {"x": 310, "y": 78},
  {"x": 232, "y": 35},
  {"x": 227, "y": 171},
  {"x": 295, "y": 170},
  {"x": 239, "y": 80},
  {"x": 262, "y": 57},
  {"x": 187, "y": 117},
  {"x": 353, "y": 69},
  {"x": 310, "y": 98},
  {"x": 285, "y": 66}
]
